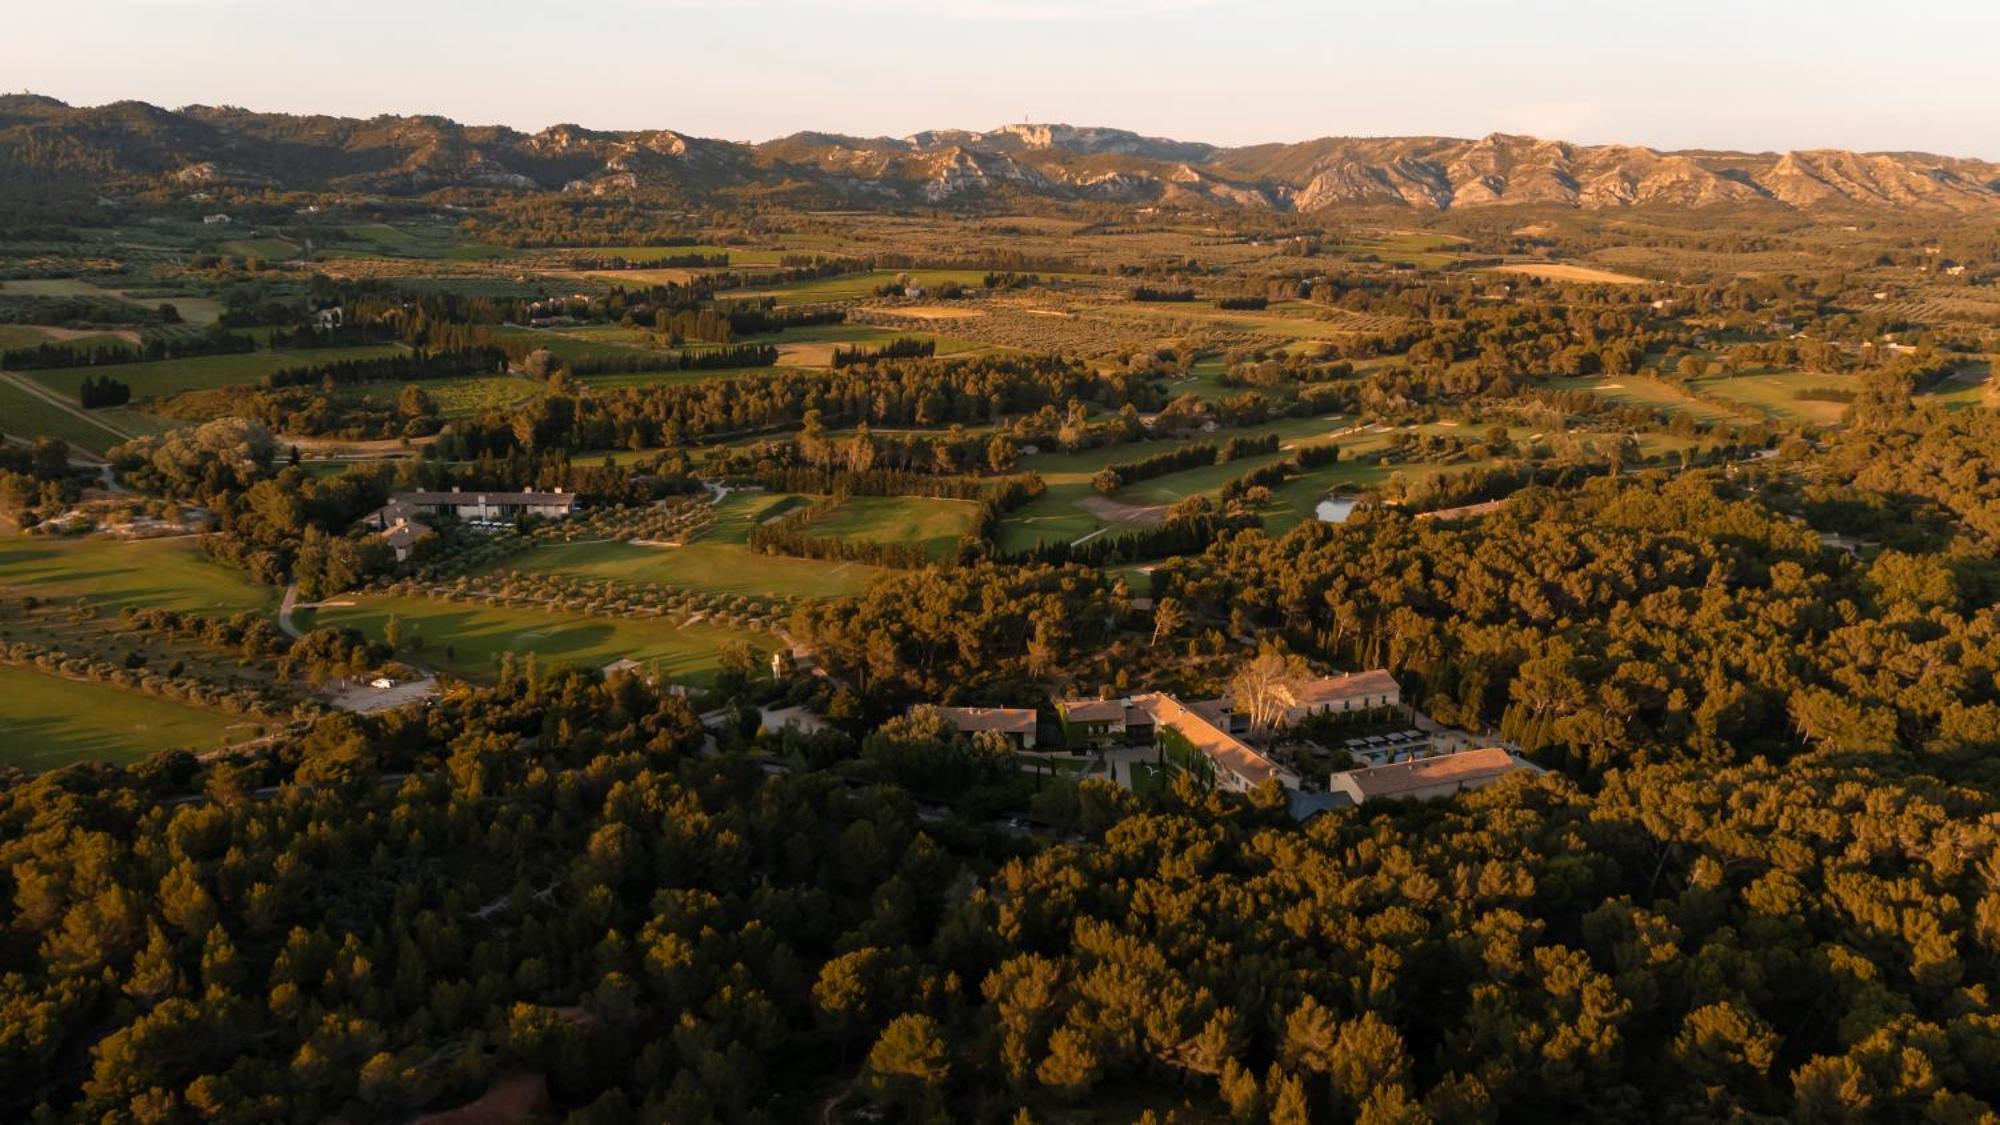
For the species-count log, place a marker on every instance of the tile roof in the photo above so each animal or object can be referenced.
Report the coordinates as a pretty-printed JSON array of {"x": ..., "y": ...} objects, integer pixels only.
[
  {"x": 1007, "y": 720},
  {"x": 1219, "y": 745},
  {"x": 1336, "y": 689},
  {"x": 540, "y": 499},
  {"x": 406, "y": 535},
  {"x": 1424, "y": 773},
  {"x": 1092, "y": 710}
]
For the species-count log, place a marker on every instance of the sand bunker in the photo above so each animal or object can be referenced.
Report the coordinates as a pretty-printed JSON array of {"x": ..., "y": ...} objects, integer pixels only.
[
  {"x": 936, "y": 312},
  {"x": 1554, "y": 271},
  {"x": 1115, "y": 511}
]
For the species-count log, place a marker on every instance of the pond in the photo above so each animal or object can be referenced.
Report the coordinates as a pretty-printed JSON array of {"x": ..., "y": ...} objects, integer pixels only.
[{"x": 1336, "y": 509}]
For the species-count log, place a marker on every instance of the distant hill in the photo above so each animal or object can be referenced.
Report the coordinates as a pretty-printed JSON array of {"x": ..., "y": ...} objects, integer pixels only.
[{"x": 133, "y": 144}]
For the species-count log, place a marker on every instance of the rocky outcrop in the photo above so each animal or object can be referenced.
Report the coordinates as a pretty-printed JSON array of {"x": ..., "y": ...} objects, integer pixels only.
[{"x": 131, "y": 143}]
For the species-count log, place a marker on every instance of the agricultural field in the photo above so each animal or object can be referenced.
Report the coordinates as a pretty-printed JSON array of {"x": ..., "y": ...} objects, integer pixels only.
[
  {"x": 619, "y": 379},
  {"x": 718, "y": 562},
  {"x": 35, "y": 335},
  {"x": 1687, "y": 265},
  {"x": 267, "y": 248},
  {"x": 406, "y": 240},
  {"x": 582, "y": 343},
  {"x": 23, "y": 413},
  {"x": 1569, "y": 271},
  {"x": 1304, "y": 322},
  {"x": 1424, "y": 249},
  {"x": 738, "y": 255},
  {"x": 468, "y": 640},
  {"x": 162, "y": 378},
  {"x": 455, "y": 398},
  {"x": 47, "y": 721},
  {"x": 195, "y": 310},
  {"x": 383, "y": 237},
  {"x": 814, "y": 345},
  {"x": 856, "y": 286}
]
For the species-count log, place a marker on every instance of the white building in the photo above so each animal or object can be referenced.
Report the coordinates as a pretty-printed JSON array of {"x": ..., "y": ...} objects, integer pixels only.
[{"x": 486, "y": 507}]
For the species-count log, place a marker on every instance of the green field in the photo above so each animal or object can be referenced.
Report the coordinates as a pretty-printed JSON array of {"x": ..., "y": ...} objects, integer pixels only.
[
  {"x": 270, "y": 249},
  {"x": 48, "y": 721},
  {"x": 419, "y": 239},
  {"x": 579, "y": 343},
  {"x": 53, "y": 287},
  {"x": 455, "y": 398},
  {"x": 855, "y": 286},
  {"x": 202, "y": 373},
  {"x": 382, "y": 236},
  {"x": 718, "y": 561},
  {"x": 193, "y": 310},
  {"x": 1967, "y": 388},
  {"x": 108, "y": 573},
  {"x": 30, "y": 336},
  {"x": 1061, "y": 514},
  {"x": 936, "y": 524},
  {"x": 1416, "y": 248},
  {"x": 1776, "y": 394},
  {"x": 738, "y": 255},
  {"x": 706, "y": 564},
  {"x": 656, "y": 378},
  {"x": 1647, "y": 391},
  {"x": 1269, "y": 323},
  {"x": 467, "y": 640},
  {"x": 23, "y": 415}
]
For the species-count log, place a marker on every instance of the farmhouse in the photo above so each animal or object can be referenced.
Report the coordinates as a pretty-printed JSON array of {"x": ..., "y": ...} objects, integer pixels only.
[
  {"x": 1017, "y": 723},
  {"x": 1361, "y": 691},
  {"x": 1424, "y": 779},
  {"x": 1238, "y": 767},
  {"x": 1101, "y": 720},
  {"x": 403, "y": 537}
]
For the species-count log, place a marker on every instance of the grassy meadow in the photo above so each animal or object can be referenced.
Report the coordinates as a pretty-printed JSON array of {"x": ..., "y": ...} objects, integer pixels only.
[
  {"x": 937, "y": 525},
  {"x": 468, "y": 640},
  {"x": 718, "y": 562},
  {"x": 201, "y": 373},
  {"x": 48, "y": 721},
  {"x": 25, "y": 414},
  {"x": 109, "y": 574}
]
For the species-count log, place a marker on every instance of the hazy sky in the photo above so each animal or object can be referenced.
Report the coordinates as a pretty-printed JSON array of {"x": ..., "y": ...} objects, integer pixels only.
[{"x": 1755, "y": 74}]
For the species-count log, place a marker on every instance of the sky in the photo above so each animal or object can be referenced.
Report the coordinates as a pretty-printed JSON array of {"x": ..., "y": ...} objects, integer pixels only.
[{"x": 1741, "y": 74}]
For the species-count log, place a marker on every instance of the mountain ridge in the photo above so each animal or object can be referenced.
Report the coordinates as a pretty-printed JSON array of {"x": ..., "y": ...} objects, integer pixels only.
[{"x": 135, "y": 144}]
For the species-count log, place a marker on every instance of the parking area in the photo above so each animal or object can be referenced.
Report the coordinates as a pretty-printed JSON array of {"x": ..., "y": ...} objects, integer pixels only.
[{"x": 362, "y": 696}]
